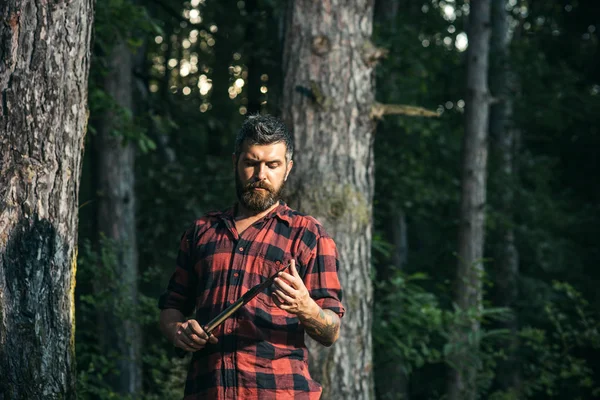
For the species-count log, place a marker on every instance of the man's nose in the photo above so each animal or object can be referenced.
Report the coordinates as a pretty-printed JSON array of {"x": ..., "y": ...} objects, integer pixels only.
[{"x": 261, "y": 172}]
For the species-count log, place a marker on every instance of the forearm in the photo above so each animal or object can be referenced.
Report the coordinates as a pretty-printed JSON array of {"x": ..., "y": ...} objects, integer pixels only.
[
  {"x": 321, "y": 325},
  {"x": 170, "y": 318}
]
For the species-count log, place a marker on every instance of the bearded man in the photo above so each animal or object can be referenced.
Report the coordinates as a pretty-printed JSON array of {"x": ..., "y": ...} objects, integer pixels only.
[{"x": 258, "y": 353}]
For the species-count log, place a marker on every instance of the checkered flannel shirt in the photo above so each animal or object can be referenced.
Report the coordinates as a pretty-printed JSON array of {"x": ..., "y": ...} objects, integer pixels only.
[{"x": 261, "y": 352}]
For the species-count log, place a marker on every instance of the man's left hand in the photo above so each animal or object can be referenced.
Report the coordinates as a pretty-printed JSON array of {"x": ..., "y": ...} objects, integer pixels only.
[{"x": 290, "y": 293}]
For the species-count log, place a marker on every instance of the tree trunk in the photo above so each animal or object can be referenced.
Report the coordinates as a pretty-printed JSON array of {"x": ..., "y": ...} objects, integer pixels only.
[
  {"x": 386, "y": 13},
  {"x": 386, "y": 16},
  {"x": 468, "y": 289},
  {"x": 328, "y": 93},
  {"x": 253, "y": 82},
  {"x": 44, "y": 64},
  {"x": 119, "y": 333},
  {"x": 503, "y": 85},
  {"x": 399, "y": 238}
]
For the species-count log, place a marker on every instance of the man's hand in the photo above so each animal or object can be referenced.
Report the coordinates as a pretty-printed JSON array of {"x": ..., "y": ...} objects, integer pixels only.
[
  {"x": 290, "y": 294},
  {"x": 190, "y": 336}
]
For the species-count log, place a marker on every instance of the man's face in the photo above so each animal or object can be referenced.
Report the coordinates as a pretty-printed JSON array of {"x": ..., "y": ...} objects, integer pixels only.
[{"x": 261, "y": 171}]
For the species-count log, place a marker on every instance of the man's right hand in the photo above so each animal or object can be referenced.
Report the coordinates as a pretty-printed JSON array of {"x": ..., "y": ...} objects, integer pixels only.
[{"x": 190, "y": 336}]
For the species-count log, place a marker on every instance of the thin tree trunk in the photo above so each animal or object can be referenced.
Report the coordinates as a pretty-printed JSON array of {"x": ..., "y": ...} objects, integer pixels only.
[
  {"x": 227, "y": 15},
  {"x": 120, "y": 334},
  {"x": 327, "y": 96},
  {"x": 253, "y": 82},
  {"x": 386, "y": 15},
  {"x": 226, "y": 11},
  {"x": 399, "y": 239},
  {"x": 44, "y": 64},
  {"x": 503, "y": 85},
  {"x": 468, "y": 289},
  {"x": 386, "y": 12}
]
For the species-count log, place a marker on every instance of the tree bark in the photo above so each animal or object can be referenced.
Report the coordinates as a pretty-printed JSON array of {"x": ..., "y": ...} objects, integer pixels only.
[
  {"x": 468, "y": 286},
  {"x": 115, "y": 158},
  {"x": 503, "y": 132},
  {"x": 327, "y": 96},
  {"x": 44, "y": 64}
]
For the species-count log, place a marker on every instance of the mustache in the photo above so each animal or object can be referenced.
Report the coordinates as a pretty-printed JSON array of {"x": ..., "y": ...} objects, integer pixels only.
[{"x": 257, "y": 185}]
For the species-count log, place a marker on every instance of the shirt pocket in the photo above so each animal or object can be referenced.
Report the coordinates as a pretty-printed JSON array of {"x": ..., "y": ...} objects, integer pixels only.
[{"x": 265, "y": 298}]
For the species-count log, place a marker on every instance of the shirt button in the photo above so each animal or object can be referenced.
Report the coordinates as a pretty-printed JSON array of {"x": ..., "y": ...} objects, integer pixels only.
[
  {"x": 236, "y": 274},
  {"x": 277, "y": 262},
  {"x": 230, "y": 301},
  {"x": 229, "y": 330},
  {"x": 241, "y": 249}
]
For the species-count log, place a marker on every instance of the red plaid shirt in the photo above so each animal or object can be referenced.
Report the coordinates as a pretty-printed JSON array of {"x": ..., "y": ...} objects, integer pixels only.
[{"x": 261, "y": 352}]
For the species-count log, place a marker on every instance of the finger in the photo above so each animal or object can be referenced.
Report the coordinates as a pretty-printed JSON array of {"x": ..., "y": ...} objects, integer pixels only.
[
  {"x": 294, "y": 282},
  {"x": 191, "y": 339},
  {"x": 186, "y": 344},
  {"x": 187, "y": 339},
  {"x": 283, "y": 297},
  {"x": 186, "y": 347},
  {"x": 182, "y": 333},
  {"x": 198, "y": 341},
  {"x": 213, "y": 339},
  {"x": 195, "y": 345},
  {"x": 279, "y": 303},
  {"x": 196, "y": 329},
  {"x": 293, "y": 269},
  {"x": 287, "y": 288},
  {"x": 290, "y": 278}
]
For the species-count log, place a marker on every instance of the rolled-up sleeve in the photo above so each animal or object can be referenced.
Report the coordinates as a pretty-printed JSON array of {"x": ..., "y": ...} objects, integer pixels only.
[
  {"x": 180, "y": 293},
  {"x": 321, "y": 279}
]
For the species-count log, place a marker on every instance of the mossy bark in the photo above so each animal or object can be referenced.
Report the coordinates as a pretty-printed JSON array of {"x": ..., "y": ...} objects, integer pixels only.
[{"x": 327, "y": 98}]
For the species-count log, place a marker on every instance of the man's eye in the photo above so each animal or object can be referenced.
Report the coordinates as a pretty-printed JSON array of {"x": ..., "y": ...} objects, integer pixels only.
[{"x": 273, "y": 165}]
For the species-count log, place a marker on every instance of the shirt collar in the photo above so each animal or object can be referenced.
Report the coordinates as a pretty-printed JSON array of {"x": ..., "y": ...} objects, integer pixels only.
[{"x": 282, "y": 212}]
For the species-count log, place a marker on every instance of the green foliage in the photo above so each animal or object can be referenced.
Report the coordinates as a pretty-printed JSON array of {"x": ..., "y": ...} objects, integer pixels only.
[
  {"x": 96, "y": 291},
  {"x": 118, "y": 21},
  {"x": 412, "y": 328},
  {"x": 554, "y": 363},
  {"x": 100, "y": 292},
  {"x": 411, "y": 331},
  {"x": 409, "y": 323}
]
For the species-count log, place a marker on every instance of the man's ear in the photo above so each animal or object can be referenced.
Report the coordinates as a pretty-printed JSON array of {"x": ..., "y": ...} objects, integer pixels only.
[{"x": 289, "y": 169}]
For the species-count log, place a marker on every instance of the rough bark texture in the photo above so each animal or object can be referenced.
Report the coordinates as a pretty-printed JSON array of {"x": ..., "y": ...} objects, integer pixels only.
[
  {"x": 468, "y": 290},
  {"x": 115, "y": 215},
  {"x": 327, "y": 96},
  {"x": 503, "y": 85},
  {"x": 44, "y": 63}
]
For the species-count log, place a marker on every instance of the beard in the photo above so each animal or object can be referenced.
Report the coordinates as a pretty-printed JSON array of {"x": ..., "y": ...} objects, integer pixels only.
[{"x": 257, "y": 200}]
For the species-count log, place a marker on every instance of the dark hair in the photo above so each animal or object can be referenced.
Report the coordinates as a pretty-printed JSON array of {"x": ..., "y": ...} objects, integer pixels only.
[{"x": 264, "y": 129}]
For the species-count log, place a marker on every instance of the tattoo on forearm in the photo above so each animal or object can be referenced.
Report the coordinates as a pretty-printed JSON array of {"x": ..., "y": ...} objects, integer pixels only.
[{"x": 324, "y": 328}]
